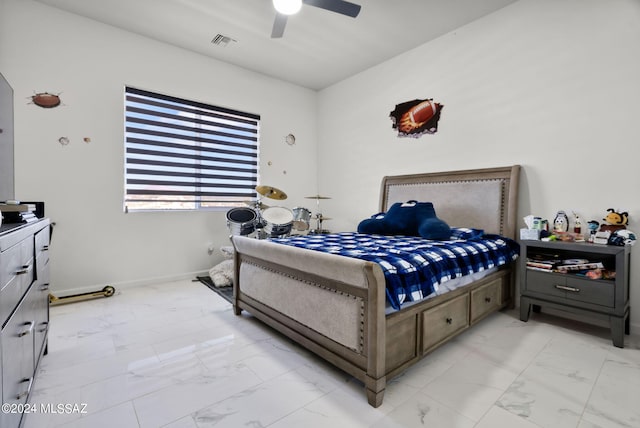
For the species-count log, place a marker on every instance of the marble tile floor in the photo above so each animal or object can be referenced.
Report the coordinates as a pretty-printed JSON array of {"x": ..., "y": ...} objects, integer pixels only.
[{"x": 173, "y": 355}]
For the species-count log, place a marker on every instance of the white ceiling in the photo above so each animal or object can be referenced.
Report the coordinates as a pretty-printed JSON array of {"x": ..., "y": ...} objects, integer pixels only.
[{"x": 319, "y": 48}]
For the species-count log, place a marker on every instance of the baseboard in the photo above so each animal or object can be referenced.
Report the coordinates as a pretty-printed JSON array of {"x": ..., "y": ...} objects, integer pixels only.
[{"x": 128, "y": 284}]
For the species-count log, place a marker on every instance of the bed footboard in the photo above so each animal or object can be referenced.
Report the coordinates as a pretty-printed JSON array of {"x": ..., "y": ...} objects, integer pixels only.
[{"x": 332, "y": 305}]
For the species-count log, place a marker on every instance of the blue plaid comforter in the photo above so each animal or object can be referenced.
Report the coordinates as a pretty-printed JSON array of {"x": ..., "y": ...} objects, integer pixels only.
[{"x": 413, "y": 266}]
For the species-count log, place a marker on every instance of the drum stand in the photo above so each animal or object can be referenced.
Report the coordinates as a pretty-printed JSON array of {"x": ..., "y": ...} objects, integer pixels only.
[
  {"x": 319, "y": 230},
  {"x": 259, "y": 232},
  {"x": 319, "y": 217}
]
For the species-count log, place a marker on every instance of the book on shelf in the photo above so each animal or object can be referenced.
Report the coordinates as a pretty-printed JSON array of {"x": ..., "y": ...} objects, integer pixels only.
[
  {"x": 539, "y": 268},
  {"x": 580, "y": 266},
  {"x": 547, "y": 265},
  {"x": 17, "y": 208},
  {"x": 19, "y": 217},
  {"x": 564, "y": 266},
  {"x": 28, "y": 217}
]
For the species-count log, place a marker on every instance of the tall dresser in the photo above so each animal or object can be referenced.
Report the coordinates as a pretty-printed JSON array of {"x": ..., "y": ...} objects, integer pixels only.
[{"x": 24, "y": 312}]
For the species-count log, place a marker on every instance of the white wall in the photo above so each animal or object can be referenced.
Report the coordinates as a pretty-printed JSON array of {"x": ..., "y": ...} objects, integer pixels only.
[
  {"x": 94, "y": 242},
  {"x": 551, "y": 85}
]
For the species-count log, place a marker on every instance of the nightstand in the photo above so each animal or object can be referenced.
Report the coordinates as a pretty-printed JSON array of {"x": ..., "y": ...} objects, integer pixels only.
[{"x": 605, "y": 299}]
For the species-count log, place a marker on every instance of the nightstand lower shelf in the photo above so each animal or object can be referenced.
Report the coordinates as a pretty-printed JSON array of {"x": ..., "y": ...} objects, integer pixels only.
[{"x": 619, "y": 324}]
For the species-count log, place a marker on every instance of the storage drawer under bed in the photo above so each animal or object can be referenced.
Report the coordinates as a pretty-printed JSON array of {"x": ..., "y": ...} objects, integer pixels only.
[
  {"x": 444, "y": 321},
  {"x": 486, "y": 299}
]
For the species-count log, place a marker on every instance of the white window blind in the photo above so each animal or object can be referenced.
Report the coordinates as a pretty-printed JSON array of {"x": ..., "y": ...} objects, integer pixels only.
[{"x": 182, "y": 154}]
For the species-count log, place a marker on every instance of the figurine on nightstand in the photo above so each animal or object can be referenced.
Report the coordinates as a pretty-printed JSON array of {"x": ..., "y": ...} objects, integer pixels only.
[
  {"x": 615, "y": 220},
  {"x": 593, "y": 228},
  {"x": 561, "y": 222},
  {"x": 577, "y": 223},
  {"x": 622, "y": 237},
  {"x": 577, "y": 228}
]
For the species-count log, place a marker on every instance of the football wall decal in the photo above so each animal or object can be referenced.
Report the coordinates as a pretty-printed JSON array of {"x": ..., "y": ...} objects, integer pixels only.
[{"x": 417, "y": 117}]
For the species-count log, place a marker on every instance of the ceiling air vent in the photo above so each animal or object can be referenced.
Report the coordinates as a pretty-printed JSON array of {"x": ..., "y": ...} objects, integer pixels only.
[{"x": 222, "y": 40}]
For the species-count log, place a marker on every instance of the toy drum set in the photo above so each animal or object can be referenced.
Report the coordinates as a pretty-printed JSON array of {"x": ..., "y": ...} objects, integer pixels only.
[{"x": 262, "y": 221}]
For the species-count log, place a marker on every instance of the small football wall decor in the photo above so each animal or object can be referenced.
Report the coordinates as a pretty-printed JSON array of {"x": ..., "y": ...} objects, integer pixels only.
[
  {"x": 416, "y": 118},
  {"x": 46, "y": 100}
]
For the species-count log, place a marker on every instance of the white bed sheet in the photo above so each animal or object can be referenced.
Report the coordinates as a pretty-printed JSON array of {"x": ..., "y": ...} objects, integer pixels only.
[{"x": 446, "y": 287}]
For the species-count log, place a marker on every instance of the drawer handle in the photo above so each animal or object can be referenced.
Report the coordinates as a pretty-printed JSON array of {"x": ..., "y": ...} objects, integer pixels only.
[
  {"x": 25, "y": 393},
  {"x": 567, "y": 288},
  {"x": 449, "y": 320},
  {"x": 45, "y": 287},
  {"x": 44, "y": 325},
  {"x": 23, "y": 270},
  {"x": 31, "y": 324},
  {"x": 487, "y": 299},
  {"x": 45, "y": 248}
]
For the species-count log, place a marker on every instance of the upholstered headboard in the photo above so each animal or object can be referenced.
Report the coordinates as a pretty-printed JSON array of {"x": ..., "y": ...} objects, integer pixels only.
[{"x": 480, "y": 198}]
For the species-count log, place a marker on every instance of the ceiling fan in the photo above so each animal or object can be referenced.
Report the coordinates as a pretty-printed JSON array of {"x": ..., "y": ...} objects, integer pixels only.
[{"x": 284, "y": 8}]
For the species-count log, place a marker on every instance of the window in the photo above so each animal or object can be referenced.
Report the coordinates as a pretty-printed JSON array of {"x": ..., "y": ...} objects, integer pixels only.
[{"x": 186, "y": 155}]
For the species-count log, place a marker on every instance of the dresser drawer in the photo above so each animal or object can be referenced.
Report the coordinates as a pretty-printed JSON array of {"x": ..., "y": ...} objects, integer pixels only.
[
  {"x": 38, "y": 298},
  {"x": 444, "y": 320},
  {"x": 486, "y": 299},
  {"x": 42, "y": 245},
  {"x": 17, "y": 275},
  {"x": 572, "y": 288},
  {"x": 17, "y": 363},
  {"x": 11, "y": 259}
]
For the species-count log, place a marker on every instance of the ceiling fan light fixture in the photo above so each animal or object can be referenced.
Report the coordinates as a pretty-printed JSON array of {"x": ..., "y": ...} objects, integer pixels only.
[{"x": 287, "y": 7}]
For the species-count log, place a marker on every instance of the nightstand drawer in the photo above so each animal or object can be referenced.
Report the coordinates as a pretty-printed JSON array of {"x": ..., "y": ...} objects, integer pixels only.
[
  {"x": 542, "y": 282},
  {"x": 571, "y": 287},
  {"x": 590, "y": 291}
]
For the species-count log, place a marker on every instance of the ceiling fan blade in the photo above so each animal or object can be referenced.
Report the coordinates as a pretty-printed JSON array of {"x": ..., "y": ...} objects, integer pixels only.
[
  {"x": 338, "y": 6},
  {"x": 278, "y": 26}
]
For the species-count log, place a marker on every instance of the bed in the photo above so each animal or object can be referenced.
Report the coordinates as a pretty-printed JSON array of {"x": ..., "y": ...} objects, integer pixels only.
[{"x": 336, "y": 306}]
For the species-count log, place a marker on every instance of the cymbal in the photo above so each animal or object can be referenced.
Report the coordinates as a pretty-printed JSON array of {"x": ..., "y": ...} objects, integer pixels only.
[
  {"x": 271, "y": 192},
  {"x": 317, "y": 197}
]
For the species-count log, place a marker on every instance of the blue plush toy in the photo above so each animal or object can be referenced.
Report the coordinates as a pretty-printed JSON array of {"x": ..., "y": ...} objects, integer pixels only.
[
  {"x": 411, "y": 218},
  {"x": 434, "y": 228}
]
